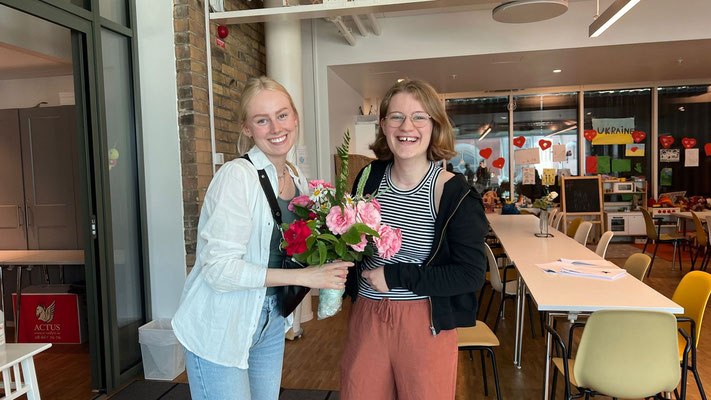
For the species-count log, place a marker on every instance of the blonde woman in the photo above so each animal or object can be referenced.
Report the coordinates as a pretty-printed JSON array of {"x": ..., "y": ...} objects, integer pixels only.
[
  {"x": 401, "y": 340},
  {"x": 229, "y": 319}
]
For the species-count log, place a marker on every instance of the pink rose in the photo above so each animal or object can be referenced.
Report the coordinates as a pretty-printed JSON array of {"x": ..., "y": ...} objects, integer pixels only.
[
  {"x": 389, "y": 242},
  {"x": 300, "y": 201},
  {"x": 338, "y": 222},
  {"x": 376, "y": 204},
  {"x": 368, "y": 214},
  {"x": 360, "y": 246}
]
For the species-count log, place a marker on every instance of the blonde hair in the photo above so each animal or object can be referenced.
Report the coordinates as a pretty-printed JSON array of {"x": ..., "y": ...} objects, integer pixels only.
[
  {"x": 442, "y": 141},
  {"x": 253, "y": 87}
]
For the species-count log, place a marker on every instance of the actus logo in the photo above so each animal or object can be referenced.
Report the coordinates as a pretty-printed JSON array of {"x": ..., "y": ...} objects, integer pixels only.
[{"x": 45, "y": 314}]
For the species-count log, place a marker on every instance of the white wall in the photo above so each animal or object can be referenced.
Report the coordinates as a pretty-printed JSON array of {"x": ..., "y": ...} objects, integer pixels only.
[
  {"x": 161, "y": 143},
  {"x": 343, "y": 112},
  {"x": 475, "y": 32},
  {"x": 26, "y": 93}
]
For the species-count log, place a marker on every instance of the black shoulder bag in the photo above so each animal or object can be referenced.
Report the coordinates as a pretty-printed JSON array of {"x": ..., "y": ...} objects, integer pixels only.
[{"x": 289, "y": 296}]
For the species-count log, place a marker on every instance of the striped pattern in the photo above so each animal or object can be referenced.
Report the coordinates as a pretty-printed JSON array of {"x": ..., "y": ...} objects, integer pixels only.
[{"x": 414, "y": 213}]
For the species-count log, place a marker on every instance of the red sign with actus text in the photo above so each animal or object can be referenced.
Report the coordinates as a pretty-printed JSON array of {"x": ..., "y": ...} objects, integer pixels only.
[{"x": 49, "y": 318}]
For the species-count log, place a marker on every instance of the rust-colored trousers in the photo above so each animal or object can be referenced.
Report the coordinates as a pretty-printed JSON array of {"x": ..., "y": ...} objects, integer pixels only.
[{"x": 390, "y": 353}]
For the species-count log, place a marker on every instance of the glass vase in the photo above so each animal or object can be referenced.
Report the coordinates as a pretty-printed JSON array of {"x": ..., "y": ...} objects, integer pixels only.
[
  {"x": 543, "y": 223},
  {"x": 329, "y": 302}
]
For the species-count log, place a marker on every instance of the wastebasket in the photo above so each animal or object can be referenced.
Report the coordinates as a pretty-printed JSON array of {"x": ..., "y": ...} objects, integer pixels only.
[{"x": 163, "y": 357}]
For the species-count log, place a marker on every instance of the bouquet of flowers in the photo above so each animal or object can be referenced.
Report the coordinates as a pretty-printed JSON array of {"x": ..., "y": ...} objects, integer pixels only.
[
  {"x": 545, "y": 203},
  {"x": 335, "y": 225}
]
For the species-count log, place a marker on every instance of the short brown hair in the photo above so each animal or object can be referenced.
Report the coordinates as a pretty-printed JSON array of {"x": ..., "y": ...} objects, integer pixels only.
[
  {"x": 442, "y": 142},
  {"x": 253, "y": 87}
]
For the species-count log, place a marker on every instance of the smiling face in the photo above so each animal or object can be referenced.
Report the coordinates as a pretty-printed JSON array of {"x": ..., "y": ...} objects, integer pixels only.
[
  {"x": 271, "y": 122},
  {"x": 407, "y": 142}
]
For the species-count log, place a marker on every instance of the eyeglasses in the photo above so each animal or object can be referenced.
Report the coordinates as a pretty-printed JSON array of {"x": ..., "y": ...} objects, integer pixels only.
[{"x": 396, "y": 119}]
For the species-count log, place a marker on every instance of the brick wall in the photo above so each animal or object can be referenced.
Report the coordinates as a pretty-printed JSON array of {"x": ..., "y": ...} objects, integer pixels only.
[{"x": 243, "y": 57}]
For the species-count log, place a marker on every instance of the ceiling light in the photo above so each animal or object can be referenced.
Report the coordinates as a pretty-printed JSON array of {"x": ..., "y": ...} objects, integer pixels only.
[
  {"x": 570, "y": 128},
  {"x": 682, "y": 109},
  {"x": 610, "y": 16},
  {"x": 486, "y": 132},
  {"x": 400, "y": 80},
  {"x": 557, "y": 71},
  {"x": 522, "y": 11}
]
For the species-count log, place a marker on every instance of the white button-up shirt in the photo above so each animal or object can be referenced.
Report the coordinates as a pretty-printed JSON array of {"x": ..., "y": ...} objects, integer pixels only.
[{"x": 223, "y": 295}]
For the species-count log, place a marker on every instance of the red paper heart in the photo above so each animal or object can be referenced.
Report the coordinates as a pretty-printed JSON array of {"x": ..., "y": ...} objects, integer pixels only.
[
  {"x": 635, "y": 148},
  {"x": 638, "y": 136},
  {"x": 707, "y": 149},
  {"x": 519, "y": 141},
  {"x": 666, "y": 141},
  {"x": 486, "y": 153},
  {"x": 498, "y": 163},
  {"x": 544, "y": 144},
  {"x": 590, "y": 134},
  {"x": 688, "y": 142}
]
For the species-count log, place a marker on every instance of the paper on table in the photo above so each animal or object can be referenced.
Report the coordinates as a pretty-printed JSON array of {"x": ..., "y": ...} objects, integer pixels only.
[
  {"x": 600, "y": 263},
  {"x": 594, "y": 272}
]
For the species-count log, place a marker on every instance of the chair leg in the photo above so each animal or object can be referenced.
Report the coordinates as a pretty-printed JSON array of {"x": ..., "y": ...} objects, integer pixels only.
[
  {"x": 496, "y": 372},
  {"x": 674, "y": 255},
  {"x": 530, "y": 317},
  {"x": 555, "y": 378},
  {"x": 471, "y": 356},
  {"x": 481, "y": 299},
  {"x": 694, "y": 258},
  {"x": 498, "y": 314},
  {"x": 483, "y": 373},
  {"x": 488, "y": 307},
  {"x": 651, "y": 264},
  {"x": 645, "y": 245}
]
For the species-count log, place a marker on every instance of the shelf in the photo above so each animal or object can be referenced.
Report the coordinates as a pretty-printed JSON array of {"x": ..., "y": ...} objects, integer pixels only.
[
  {"x": 644, "y": 192},
  {"x": 331, "y": 9}
]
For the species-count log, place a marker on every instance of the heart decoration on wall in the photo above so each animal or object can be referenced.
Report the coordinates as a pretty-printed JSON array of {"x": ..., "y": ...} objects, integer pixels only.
[
  {"x": 688, "y": 142},
  {"x": 638, "y": 136},
  {"x": 590, "y": 134},
  {"x": 666, "y": 141},
  {"x": 486, "y": 153},
  {"x": 519, "y": 141},
  {"x": 545, "y": 144},
  {"x": 707, "y": 149},
  {"x": 634, "y": 149},
  {"x": 499, "y": 163}
]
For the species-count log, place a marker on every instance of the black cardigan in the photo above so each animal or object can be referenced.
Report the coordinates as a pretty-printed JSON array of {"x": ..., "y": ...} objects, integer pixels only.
[{"x": 456, "y": 267}]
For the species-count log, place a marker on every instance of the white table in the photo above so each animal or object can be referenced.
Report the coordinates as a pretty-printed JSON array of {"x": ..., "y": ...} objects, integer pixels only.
[
  {"x": 14, "y": 356},
  {"x": 562, "y": 294},
  {"x": 28, "y": 259}
]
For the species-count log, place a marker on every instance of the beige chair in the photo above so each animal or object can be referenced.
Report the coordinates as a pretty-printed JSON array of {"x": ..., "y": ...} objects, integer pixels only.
[
  {"x": 637, "y": 265},
  {"x": 601, "y": 249},
  {"x": 655, "y": 235},
  {"x": 551, "y": 216},
  {"x": 556, "y": 221},
  {"x": 622, "y": 353},
  {"x": 702, "y": 241},
  {"x": 481, "y": 338},
  {"x": 583, "y": 232},
  {"x": 573, "y": 227}
]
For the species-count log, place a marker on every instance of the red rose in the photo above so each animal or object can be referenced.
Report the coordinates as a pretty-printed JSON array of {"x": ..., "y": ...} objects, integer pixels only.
[{"x": 295, "y": 237}]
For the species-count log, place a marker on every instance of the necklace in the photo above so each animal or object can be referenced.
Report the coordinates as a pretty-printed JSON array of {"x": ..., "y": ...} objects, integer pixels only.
[{"x": 282, "y": 183}]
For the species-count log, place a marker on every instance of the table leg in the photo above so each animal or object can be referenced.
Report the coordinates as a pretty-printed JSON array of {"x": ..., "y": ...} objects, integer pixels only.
[
  {"x": 518, "y": 320},
  {"x": 28, "y": 370},
  {"x": 17, "y": 309},
  {"x": 546, "y": 375},
  {"x": 521, "y": 323}
]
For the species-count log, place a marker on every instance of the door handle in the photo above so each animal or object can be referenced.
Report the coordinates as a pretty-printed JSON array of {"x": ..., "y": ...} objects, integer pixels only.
[{"x": 20, "y": 216}]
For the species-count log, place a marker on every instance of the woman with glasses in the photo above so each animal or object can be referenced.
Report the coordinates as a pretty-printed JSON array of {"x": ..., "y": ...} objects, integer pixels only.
[
  {"x": 401, "y": 340},
  {"x": 229, "y": 320}
]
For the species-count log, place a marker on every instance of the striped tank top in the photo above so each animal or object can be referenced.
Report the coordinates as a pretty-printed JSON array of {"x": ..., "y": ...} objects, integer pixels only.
[{"x": 413, "y": 211}]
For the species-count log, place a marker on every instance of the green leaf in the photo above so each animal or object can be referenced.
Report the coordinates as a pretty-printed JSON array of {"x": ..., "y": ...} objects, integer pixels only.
[
  {"x": 341, "y": 248},
  {"x": 322, "y": 253},
  {"x": 362, "y": 180},
  {"x": 300, "y": 258},
  {"x": 313, "y": 258},
  {"x": 328, "y": 236},
  {"x": 310, "y": 242},
  {"x": 352, "y": 236},
  {"x": 362, "y": 228},
  {"x": 343, "y": 152}
]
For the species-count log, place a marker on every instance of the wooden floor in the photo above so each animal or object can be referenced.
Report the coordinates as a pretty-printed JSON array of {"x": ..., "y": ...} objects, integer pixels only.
[{"x": 313, "y": 362}]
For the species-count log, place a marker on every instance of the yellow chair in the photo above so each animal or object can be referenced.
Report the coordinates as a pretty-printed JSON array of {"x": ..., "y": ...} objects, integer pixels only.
[
  {"x": 657, "y": 237},
  {"x": 692, "y": 293},
  {"x": 481, "y": 338},
  {"x": 637, "y": 265},
  {"x": 622, "y": 353},
  {"x": 573, "y": 227},
  {"x": 701, "y": 241}
]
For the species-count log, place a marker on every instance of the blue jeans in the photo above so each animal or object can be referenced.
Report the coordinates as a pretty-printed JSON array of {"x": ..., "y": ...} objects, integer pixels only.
[{"x": 261, "y": 381}]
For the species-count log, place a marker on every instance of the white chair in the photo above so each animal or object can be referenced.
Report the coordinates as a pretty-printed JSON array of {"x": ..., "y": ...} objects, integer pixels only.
[
  {"x": 556, "y": 222},
  {"x": 581, "y": 235},
  {"x": 601, "y": 248},
  {"x": 552, "y": 216}
]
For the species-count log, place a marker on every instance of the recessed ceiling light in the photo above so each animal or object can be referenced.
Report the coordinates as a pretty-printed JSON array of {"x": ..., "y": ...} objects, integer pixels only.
[
  {"x": 682, "y": 108},
  {"x": 557, "y": 71},
  {"x": 400, "y": 80}
]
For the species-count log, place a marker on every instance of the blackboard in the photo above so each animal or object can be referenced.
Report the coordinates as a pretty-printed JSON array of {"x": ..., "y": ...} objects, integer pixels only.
[{"x": 582, "y": 195}]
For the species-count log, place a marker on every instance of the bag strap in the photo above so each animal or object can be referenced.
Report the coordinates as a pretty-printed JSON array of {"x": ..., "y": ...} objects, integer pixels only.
[{"x": 269, "y": 192}]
